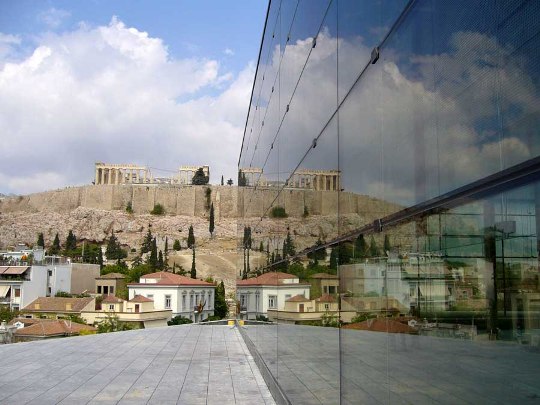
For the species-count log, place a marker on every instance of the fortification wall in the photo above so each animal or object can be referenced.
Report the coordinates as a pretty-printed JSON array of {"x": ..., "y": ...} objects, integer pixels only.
[{"x": 192, "y": 201}]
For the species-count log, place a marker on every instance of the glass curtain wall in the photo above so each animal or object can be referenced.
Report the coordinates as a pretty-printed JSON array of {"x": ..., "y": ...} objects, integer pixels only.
[{"x": 388, "y": 184}]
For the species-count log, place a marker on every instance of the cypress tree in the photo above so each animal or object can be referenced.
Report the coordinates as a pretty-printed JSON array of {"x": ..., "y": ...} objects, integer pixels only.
[
  {"x": 211, "y": 225},
  {"x": 147, "y": 242},
  {"x": 193, "y": 269},
  {"x": 71, "y": 242},
  {"x": 386, "y": 245},
  {"x": 160, "y": 263},
  {"x": 191, "y": 238},
  {"x": 153, "y": 258},
  {"x": 360, "y": 247},
  {"x": 222, "y": 180},
  {"x": 41, "y": 240},
  {"x": 373, "y": 249},
  {"x": 100, "y": 258},
  {"x": 220, "y": 305},
  {"x": 55, "y": 248}
]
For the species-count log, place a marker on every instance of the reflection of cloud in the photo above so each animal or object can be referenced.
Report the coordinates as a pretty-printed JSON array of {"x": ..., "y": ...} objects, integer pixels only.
[
  {"x": 109, "y": 94},
  {"x": 414, "y": 127},
  {"x": 53, "y": 17}
]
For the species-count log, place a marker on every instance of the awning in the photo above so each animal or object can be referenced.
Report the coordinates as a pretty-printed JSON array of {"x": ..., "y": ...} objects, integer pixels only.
[{"x": 4, "y": 290}]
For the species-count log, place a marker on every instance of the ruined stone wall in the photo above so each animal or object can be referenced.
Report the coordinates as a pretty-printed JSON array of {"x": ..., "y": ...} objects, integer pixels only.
[{"x": 191, "y": 201}]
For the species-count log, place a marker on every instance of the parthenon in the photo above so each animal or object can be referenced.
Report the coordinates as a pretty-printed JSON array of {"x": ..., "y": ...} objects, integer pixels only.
[
  {"x": 122, "y": 174},
  {"x": 186, "y": 173},
  {"x": 326, "y": 180}
]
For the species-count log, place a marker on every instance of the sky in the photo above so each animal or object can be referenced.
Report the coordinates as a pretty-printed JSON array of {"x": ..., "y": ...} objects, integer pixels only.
[{"x": 161, "y": 84}]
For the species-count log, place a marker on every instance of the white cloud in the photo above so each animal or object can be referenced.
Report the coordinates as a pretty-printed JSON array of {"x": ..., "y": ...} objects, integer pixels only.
[
  {"x": 53, "y": 17},
  {"x": 228, "y": 51},
  {"x": 109, "y": 94}
]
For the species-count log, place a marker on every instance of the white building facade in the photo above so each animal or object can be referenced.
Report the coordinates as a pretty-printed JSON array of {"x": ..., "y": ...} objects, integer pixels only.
[
  {"x": 268, "y": 291},
  {"x": 190, "y": 298}
]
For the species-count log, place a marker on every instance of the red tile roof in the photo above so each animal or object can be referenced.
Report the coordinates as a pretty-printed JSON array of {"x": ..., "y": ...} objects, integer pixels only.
[
  {"x": 298, "y": 298},
  {"x": 46, "y": 328},
  {"x": 58, "y": 304},
  {"x": 111, "y": 299},
  {"x": 381, "y": 325},
  {"x": 271, "y": 278},
  {"x": 166, "y": 278},
  {"x": 327, "y": 298},
  {"x": 140, "y": 298}
]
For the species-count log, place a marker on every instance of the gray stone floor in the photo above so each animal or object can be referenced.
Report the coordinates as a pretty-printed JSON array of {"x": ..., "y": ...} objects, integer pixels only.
[
  {"x": 381, "y": 368},
  {"x": 188, "y": 364}
]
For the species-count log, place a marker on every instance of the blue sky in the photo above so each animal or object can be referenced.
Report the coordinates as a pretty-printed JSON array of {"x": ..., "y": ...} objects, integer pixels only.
[{"x": 86, "y": 56}]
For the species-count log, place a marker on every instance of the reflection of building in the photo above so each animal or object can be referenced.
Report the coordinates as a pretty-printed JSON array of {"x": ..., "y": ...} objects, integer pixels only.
[
  {"x": 326, "y": 180},
  {"x": 254, "y": 176},
  {"x": 138, "y": 311},
  {"x": 269, "y": 291},
  {"x": 188, "y": 297},
  {"x": 323, "y": 283},
  {"x": 110, "y": 283}
]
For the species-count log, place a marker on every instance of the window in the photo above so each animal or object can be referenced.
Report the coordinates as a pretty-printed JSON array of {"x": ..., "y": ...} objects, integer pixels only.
[
  {"x": 111, "y": 307},
  {"x": 167, "y": 301},
  {"x": 191, "y": 301},
  {"x": 111, "y": 289},
  {"x": 243, "y": 300},
  {"x": 150, "y": 296},
  {"x": 17, "y": 292},
  {"x": 99, "y": 289},
  {"x": 183, "y": 303},
  {"x": 326, "y": 306},
  {"x": 272, "y": 301},
  {"x": 49, "y": 273},
  {"x": 332, "y": 290}
]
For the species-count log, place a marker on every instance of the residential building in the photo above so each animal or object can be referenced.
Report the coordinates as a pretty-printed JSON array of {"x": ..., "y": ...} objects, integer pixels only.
[
  {"x": 269, "y": 291},
  {"x": 38, "y": 329},
  {"x": 58, "y": 307},
  {"x": 323, "y": 283},
  {"x": 191, "y": 298},
  {"x": 110, "y": 283},
  {"x": 138, "y": 311},
  {"x": 20, "y": 285}
]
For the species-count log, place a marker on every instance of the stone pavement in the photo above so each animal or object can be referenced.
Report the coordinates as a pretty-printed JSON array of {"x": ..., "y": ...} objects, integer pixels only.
[
  {"x": 188, "y": 364},
  {"x": 381, "y": 368}
]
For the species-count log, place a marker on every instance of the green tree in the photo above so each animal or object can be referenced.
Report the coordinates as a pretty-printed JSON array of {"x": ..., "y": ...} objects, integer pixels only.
[
  {"x": 100, "y": 258},
  {"x": 152, "y": 260},
  {"x": 373, "y": 249},
  {"x": 55, "y": 248},
  {"x": 222, "y": 180},
  {"x": 71, "y": 242},
  {"x": 220, "y": 305},
  {"x": 147, "y": 242},
  {"x": 114, "y": 251},
  {"x": 160, "y": 262},
  {"x": 278, "y": 212},
  {"x": 158, "y": 209},
  {"x": 230, "y": 182},
  {"x": 360, "y": 247},
  {"x": 179, "y": 320},
  {"x": 166, "y": 254},
  {"x": 242, "y": 181},
  {"x": 386, "y": 245},
  {"x": 289, "y": 249},
  {"x": 40, "y": 240},
  {"x": 199, "y": 179},
  {"x": 176, "y": 245},
  {"x": 211, "y": 225},
  {"x": 193, "y": 272},
  {"x": 319, "y": 252},
  {"x": 208, "y": 196},
  {"x": 191, "y": 237},
  {"x": 261, "y": 247},
  {"x": 129, "y": 208}
]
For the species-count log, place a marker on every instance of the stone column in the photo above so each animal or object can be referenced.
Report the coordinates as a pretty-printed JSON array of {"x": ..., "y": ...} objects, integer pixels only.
[
  {"x": 96, "y": 180},
  {"x": 102, "y": 180},
  {"x": 144, "y": 175},
  {"x": 137, "y": 174}
]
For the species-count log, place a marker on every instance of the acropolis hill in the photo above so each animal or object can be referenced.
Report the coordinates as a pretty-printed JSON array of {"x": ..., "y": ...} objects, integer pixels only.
[{"x": 93, "y": 211}]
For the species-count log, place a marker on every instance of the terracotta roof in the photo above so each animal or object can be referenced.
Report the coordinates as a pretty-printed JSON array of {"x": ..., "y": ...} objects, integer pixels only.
[
  {"x": 271, "y": 278},
  {"x": 13, "y": 269},
  {"x": 381, "y": 325},
  {"x": 298, "y": 298},
  {"x": 112, "y": 276},
  {"x": 324, "y": 275},
  {"x": 166, "y": 278},
  {"x": 58, "y": 304},
  {"x": 53, "y": 328},
  {"x": 140, "y": 298},
  {"x": 26, "y": 321},
  {"x": 327, "y": 298},
  {"x": 111, "y": 299}
]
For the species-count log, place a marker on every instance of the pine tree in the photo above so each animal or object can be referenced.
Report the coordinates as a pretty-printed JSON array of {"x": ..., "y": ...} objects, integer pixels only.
[
  {"x": 360, "y": 247},
  {"x": 147, "y": 242},
  {"x": 153, "y": 258},
  {"x": 288, "y": 246},
  {"x": 199, "y": 178},
  {"x": 211, "y": 225},
  {"x": 191, "y": 238},
  {"x": 193, "y": 269},
  {"x": 373, "y": 249},
  {"x": 55, "y": 248},
  {"x": 176, "y": 245},
  {"x": 160, "y": 262},
  {"x": 41, "y": 240},
  {"x": 71, "y": 242},
  {"x": 114, "y": 251},
  {"x": 220, "y": 305}
]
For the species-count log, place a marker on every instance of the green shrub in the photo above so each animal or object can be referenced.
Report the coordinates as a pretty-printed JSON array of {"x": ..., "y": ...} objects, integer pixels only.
[
  {"x": 278, "y": 212},
  {"x": 129, "y": 208},
  {"x": 179, "y": 320},
  {"x": 158, "y": 210}
]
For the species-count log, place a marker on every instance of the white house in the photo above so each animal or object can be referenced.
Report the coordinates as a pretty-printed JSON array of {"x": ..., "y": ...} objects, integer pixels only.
[
  {"x": 188, "y": 297},
  {"x": 268, "y": 291},
  {"x": 20, "y": 285}
]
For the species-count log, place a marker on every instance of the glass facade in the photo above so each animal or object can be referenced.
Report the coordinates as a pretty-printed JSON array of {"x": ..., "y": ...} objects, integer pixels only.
[{"x": 390, "y": 177}]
